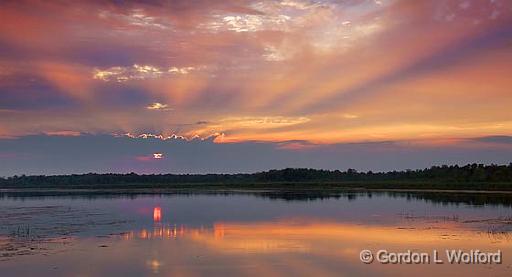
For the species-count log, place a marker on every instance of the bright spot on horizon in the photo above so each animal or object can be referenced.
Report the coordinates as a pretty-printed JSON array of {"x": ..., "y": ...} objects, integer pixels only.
[{"x": 158, "y": 156}]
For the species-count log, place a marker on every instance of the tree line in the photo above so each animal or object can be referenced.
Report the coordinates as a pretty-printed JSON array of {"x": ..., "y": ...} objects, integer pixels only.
[{"x": 454, "y": 174}]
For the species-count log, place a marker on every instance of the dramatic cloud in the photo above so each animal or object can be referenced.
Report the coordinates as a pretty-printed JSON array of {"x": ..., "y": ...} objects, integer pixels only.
[
  {"x": 321, "y": 71},
  {"x": 138, "y": 72}
]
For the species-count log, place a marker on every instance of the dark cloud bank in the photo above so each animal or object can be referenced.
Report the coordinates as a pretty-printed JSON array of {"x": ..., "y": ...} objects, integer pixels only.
[{"x": 42, "y": 154}]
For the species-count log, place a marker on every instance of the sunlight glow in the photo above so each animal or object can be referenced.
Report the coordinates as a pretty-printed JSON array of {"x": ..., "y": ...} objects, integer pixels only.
[{"x": 157, "y": 214}]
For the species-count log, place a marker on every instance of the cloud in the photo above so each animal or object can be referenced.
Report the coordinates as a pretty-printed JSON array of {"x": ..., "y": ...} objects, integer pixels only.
[
  {"x": 262, "y": 121},
  {"x": 232, "y": 127},
  {"x": 350, "y": 116},
  {"x": 139, "y": 72},
  {"x": 322, "y": 71},
  {"x": 63, "y": 133},
  {"x": 300, "y": 5},
  {"x": 155, "y": 157},
  {"x": 495, "y": 139},
  {"x": 137, "y": 17},
  {"x": 247, "y": 23},
  {"x": 159, "y": 107},
  {"x": 42, "y": 154}
]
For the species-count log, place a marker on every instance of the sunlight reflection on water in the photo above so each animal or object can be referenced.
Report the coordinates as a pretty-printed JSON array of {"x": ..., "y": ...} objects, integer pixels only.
[{"x": 242, "y": 235}]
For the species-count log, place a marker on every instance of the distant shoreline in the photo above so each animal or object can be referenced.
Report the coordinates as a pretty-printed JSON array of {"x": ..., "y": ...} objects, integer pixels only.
[
  {"x": 244, "y": 189},
  {"x": 470, "y": 178}
]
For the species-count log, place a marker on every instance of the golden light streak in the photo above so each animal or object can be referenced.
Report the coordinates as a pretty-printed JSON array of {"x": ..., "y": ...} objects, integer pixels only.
[{"x": 326, "y": 72}]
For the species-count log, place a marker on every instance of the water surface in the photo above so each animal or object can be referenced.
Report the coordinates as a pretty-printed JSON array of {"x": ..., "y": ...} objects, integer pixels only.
[{"x": 247, "y": 234}]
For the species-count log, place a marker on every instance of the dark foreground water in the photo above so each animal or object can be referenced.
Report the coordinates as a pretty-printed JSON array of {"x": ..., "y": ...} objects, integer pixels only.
[{"x": 249, "y": 234}]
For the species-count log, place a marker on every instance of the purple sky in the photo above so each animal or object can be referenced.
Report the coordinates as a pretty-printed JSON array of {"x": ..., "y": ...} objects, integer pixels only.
[{"x": 250, "y": 85}]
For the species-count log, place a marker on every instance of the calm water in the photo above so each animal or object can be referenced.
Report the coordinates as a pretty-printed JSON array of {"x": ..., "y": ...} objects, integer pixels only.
[{"x": 248, "y": 235}]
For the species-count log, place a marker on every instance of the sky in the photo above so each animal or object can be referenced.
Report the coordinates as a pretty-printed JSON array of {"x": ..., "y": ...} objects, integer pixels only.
[{"x": 197, "y": 86}]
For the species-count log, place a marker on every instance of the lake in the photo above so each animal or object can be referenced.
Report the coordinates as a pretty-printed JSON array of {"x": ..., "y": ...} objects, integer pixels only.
[{"x": 251, "y": 234}]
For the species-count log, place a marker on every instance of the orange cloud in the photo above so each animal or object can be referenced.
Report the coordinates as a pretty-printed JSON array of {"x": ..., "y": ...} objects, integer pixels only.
[{"x": 324, "y": 71}]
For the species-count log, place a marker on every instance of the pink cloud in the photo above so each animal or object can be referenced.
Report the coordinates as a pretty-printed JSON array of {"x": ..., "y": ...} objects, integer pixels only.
[{"x": 65, "y": 133}]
